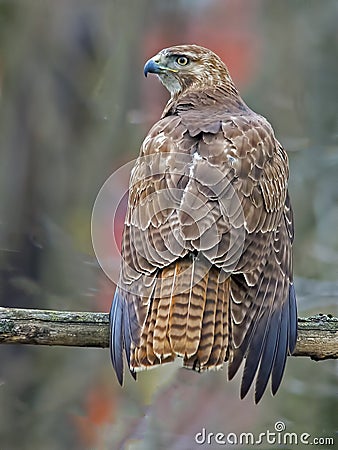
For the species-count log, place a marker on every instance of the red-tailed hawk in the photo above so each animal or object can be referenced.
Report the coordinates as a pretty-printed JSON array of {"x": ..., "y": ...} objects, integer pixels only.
[{"x": 206, "y": 271}]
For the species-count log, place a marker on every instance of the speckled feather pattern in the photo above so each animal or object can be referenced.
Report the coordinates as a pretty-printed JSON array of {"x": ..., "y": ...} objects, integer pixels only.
[{"x": 206, "y": 270}]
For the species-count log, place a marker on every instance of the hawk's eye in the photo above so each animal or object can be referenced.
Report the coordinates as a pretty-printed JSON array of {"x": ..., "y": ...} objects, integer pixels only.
[{"x": 182, "y": 60}]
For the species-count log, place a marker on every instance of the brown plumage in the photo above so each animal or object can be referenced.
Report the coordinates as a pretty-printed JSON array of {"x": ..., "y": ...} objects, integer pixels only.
[{"x": 206, "y": 270}]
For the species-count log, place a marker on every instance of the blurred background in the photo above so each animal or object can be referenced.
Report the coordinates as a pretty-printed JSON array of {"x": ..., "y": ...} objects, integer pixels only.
[{"x": 74, "y": 107}]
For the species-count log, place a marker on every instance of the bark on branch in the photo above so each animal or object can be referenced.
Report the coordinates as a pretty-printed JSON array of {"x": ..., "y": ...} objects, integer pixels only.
[{"x": 317, "y": 335}]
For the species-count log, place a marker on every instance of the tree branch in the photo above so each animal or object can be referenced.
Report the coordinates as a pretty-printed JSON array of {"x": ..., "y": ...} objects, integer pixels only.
[{"x": 317, "y": 335}]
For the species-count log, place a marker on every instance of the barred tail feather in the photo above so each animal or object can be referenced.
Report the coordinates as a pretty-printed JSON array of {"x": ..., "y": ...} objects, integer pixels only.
[{"x": 187, "y": 316}]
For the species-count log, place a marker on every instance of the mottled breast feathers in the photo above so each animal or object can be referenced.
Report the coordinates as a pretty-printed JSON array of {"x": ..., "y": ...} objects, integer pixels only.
[{"x": 206, "y": 269}]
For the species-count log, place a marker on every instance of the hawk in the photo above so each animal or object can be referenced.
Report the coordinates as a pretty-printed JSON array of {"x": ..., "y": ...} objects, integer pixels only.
[{"x": 206, "y": 271}]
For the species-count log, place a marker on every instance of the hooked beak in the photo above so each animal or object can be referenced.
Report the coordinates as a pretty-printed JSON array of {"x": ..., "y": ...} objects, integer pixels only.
[{"x": 153, "y": 66}]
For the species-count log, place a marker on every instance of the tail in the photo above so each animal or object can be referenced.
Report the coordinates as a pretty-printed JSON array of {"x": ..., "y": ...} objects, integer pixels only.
[{"x": 187, "y": 317}]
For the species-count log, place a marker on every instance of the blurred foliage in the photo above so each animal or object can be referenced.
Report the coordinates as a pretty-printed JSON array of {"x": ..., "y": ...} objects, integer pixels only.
[{"x": 73, "y": 108}]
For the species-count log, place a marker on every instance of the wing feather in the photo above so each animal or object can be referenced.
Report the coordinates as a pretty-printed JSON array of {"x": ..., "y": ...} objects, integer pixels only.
[{"x": 116, "y": 335}]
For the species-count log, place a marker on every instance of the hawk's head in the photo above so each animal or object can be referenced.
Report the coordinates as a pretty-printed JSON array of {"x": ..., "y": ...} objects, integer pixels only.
[{"x": 187, "y": 67}]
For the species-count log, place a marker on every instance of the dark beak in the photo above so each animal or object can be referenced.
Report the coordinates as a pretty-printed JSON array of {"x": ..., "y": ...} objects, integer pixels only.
[{"x": 151, "y": 67}]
